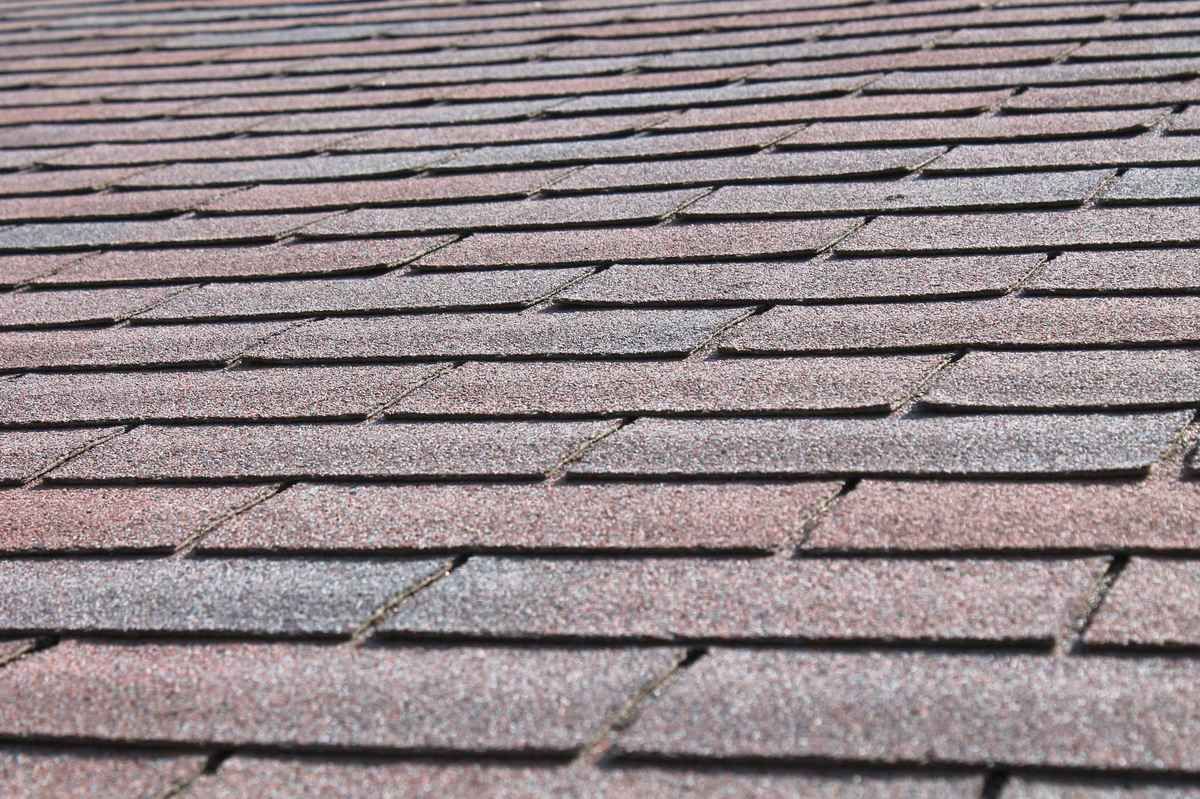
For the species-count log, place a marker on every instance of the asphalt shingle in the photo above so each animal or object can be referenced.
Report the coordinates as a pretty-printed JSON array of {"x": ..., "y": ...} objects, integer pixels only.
[
  {"x": 544, "y": 334},
  {"x": 238, "y": 693},
  {"x": 923, "y": 708},
  {"x": 111, "y": 519},
  {"x": 497, "y": 450},
  {"x": 28, "y": 772},
  {"x": 945, "y": 517},
  {"x": 720, "y": 386},
  {"x": 253, "y": 597},
  {"x": 1152, "y": 604},
  {"x": 948, "y": 446},
  {"x": 1070, "y": 379},
  {"x": 640, "y": 516},
  {"x": 759, "y": 599},
  {"x": 245, "y": 777}
]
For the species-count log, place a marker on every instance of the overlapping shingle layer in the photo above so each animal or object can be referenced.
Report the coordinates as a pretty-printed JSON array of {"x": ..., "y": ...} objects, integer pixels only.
[{"x": 599, "y": 398}]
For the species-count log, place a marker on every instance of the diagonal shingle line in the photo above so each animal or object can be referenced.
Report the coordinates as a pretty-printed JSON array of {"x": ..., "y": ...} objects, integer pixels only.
[
  {"x": 188, "y": 545},
  {"x": 365, "y": 629},
  {"x": 599, "y": 748},
  {"x": 1071, "y": 638}
]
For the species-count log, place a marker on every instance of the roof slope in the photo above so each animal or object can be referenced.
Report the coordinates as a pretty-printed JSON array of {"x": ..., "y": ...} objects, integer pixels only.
[{"x": 599, "y": 398}]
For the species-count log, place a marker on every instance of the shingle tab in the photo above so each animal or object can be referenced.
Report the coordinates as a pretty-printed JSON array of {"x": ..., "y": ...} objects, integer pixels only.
[
  {"x": 923, "y": 708},
  {"x": 243, "y": 777},
  {"x": 279, "y": 260},
  {"x": 26, "y": 453},
  {"x": 40, "y": 308},
  {"x": 995, "y": 445},
  {"x": 106, "y": 519},
  {"x": 1082, "y": 229},
  {"x": 1152, "y": 603},
  {"x": 26, "y": 772},
  {"x": 853, "y": 107},
  {"x": 512, "y": 450},
  {"x": 1090, "y": 153},
  {"x": 829, "y": 280},
  {"x": 1049, "y": 190},
  {"x": 1016, "y": 322},
  {"x": 236, "y": 230},
  {"x": 322, "y": 392},
  {"x": 972, "y": 129},
  {"x": 255, "y": 597},
  {"x": 550, "y": 213},
  {"x": 545, "y": 334},
  {"x": 722, "y": 386},
  {"x": 332, "y": 167},
  {"x": 396, "y": 291},
  {"x": 198, "y": 345},
  {"x": 525, "y": 700},
  {"x": 1154, "y": 186},
  {"x": 764, "y": 599},
  {"x": 947, "y": 517},
  {"x": 1145, "y": 271},
  {"x": 1070, "y": 379},
  {"x": 352, "y": 193},
  {"x": 562, "y": 517},
  {"x": 660, "y": 243},
  {"x": 747, "y": 169}
]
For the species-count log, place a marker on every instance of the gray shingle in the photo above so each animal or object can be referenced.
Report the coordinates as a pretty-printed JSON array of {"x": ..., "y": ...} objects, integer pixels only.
[
  {"x": 763, "y": 598},
  {"x": 248, "y": 596}
]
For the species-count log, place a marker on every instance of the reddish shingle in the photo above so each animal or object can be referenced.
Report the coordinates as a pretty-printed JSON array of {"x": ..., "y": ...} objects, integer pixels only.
[
  {"x": 548, "y": 700},
  {"x": 106, "y": 519},
  {"x": 663, "y": 243},
  {"x": 284, "y": 260},
  {"x": 1012, "y": 322},
  {"x": 25, "y": 454},
  {"x": 945, "y": 446},
  {"x": 693, "y": 387},
  {"x": 1145, "y": 271},
  {"x": 833, "y": 279},
  {"x": 562, "y": 517},
  {"x": 945, "y": 517}
]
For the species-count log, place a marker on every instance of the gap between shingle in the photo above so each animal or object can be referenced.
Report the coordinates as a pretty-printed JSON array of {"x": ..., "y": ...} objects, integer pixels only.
[
  {"x": 1070, "y": 640},
  {"x": 599, "y": 746},
  {"x": 189, "y": 544},
  {"x": 367, "y": 628}
]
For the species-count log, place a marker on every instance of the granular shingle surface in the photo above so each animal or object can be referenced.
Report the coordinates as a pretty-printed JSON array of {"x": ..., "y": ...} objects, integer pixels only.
[
  {"x": 766, "y": 598},
  {"x": 600, "y": 398},
  {"x": 516, "y": 699}
]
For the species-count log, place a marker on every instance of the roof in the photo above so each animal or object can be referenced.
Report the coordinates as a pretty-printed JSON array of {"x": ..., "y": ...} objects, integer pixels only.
[{"x": 599, "y": 398}]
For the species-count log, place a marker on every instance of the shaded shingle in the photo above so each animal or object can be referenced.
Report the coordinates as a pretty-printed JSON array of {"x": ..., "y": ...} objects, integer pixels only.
[{"x": 30, "y": 772}]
